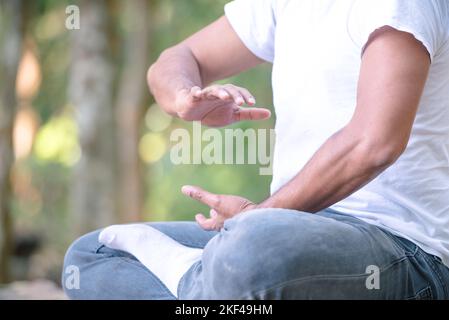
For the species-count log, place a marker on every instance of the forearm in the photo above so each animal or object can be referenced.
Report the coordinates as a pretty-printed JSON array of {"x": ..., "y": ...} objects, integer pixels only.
[
  {"x": 175, "y": 70},
  {"x": 344, "y": 164}
]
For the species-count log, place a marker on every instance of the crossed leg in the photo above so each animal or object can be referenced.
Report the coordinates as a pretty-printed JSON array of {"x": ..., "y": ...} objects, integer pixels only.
[{"x": 266, "y": 254}]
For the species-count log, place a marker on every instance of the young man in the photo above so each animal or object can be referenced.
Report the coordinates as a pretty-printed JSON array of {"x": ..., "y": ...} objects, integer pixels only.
[{"x": 360, "y": 193}]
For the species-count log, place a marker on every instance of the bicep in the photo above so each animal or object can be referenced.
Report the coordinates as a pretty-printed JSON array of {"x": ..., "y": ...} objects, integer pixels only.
[
  {"x": 393, "y": 74},
  {"x": 219, "y": 51}
]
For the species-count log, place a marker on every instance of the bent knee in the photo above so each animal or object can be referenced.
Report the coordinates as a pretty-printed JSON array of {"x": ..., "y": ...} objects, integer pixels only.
[
  {"x": 281, "y": 228},
  {"x": 290, "y": 226},
  {"x": 270, "y": 218},
  {"x": 81, "y": 252},
  {"x": 265, "y": 247},
  {"x": 80, "y": 249}
]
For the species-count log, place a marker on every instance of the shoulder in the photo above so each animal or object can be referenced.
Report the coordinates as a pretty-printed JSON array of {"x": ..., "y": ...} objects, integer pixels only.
[
  {"x": 427, "y": 20},
  {"x": 436, "y": 11}
]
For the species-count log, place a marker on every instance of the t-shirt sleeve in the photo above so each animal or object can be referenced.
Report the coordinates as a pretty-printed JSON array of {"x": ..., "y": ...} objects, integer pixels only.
[
  {"x": 426, "y": 20},
  {"x": 254, "y": 21}
]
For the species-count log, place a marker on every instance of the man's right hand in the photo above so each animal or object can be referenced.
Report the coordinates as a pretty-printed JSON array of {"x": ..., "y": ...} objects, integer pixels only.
[{"x": 218, "y": 105}]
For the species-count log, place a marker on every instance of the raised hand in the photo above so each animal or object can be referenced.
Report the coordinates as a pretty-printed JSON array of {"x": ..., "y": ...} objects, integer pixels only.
[{"x": 218, "y": 105}]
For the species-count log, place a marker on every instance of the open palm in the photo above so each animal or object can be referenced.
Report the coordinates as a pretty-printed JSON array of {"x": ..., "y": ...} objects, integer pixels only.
[{"x": 218, "y": 105}]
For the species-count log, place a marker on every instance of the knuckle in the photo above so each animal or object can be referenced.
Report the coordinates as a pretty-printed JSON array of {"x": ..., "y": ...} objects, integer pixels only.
[
  {"x": 230, "y": 87},
  {"x": 197, "y": 195},
  {"x": 182, "y": 115},
  {"x": 217, "y": 201},
  {"x": 208, "y": 89}
]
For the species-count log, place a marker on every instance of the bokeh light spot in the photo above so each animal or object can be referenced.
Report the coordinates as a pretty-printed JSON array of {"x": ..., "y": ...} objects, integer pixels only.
[
  {"x": 57, "y": 141},
  {"x": 157, "y": 120},
  {"x": 152, "y": 147}
]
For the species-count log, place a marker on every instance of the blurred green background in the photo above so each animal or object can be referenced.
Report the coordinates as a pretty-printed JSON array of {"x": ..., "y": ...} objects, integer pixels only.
[{"x": 83, "y": 145}]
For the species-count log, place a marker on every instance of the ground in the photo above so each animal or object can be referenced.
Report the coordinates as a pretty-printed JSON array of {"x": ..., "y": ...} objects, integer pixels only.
[{"x": 32, "y": 290}]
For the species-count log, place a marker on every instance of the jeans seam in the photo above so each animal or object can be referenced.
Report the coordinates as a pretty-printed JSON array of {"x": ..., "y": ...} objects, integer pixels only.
[
  {"x": 419, "y": 295},
  {"x": 435, "y": 271},
  {"x": 445, "y": 286},
  {"x": 398, "y": 242},
  {"x": 190, "y": 244},
  {"x": 98, "y": 247},
  {"x": 139, "y": 264},
  {"x": 327, "y": 277},
  {"x": 191, "y": 269}
]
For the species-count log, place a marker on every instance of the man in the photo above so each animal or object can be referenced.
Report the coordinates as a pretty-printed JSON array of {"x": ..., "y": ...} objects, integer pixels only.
[{"x": 360, "y": 193}]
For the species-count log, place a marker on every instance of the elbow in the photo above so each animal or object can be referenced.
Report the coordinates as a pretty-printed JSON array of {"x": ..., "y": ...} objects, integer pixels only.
[
  {"x": 152, "y": 73},
  {"x": 374, "y": 155}
]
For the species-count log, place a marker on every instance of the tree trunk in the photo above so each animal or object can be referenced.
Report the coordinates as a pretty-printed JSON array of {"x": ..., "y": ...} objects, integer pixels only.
[
  {"x": 90, "y": 90},
  {"x": 10, "y": 53},
  {"x": 129, "y": 109}
]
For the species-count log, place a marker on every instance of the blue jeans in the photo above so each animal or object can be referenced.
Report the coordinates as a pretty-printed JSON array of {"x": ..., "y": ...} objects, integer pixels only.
[{"x": 269, "y": 254}]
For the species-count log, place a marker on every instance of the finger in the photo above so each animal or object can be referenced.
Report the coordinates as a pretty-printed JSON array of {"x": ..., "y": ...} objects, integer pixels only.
[
  {"x": 196, "y": 92},
  {"x": 224, "y": 94},
  {"x": 249, "y": 98},
  {"x": 214, "y": 92},
  {"x": 210, "y": 199},
  {"x": 206, "y": 224},
  {"x": 235, "y": 93},
  {"x": 252, "y": 114},
  {"x": 213, "y": 213}
]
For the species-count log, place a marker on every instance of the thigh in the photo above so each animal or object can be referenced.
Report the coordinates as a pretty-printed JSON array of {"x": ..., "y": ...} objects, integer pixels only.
[{"x": 285, "y": 254}]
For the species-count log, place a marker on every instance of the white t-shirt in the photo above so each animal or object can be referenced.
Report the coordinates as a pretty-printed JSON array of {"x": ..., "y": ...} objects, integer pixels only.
[{"x": 315, "y": 47}]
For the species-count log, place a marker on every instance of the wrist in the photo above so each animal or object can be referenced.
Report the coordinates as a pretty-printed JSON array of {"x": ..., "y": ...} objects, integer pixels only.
[
  {"x": 249, "y": 206},
  {"x": 267, "y": 204},
  {"x": 180, "y": 101},
  {"x": 184, "y": 99}
]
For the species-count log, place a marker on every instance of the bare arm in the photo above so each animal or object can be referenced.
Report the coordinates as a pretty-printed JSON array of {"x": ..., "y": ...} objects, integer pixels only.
[
  {"x": 393, "y": 74},
  {"x": 178, "y": 78}
]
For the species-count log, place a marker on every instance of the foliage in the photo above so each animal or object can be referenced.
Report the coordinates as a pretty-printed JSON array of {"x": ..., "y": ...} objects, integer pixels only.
[{"x": 41, "y": 177}]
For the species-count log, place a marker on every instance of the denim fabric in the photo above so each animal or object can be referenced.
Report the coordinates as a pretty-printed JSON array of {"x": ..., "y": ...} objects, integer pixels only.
[{"x": 270, "y": 254}]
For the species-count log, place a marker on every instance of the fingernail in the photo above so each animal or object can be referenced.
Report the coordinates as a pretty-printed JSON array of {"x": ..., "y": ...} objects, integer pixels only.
[
  {"x": 252, "y": 100},
  {"x": 200, "y": 217},
  {"x": 187, "y": 190}
]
